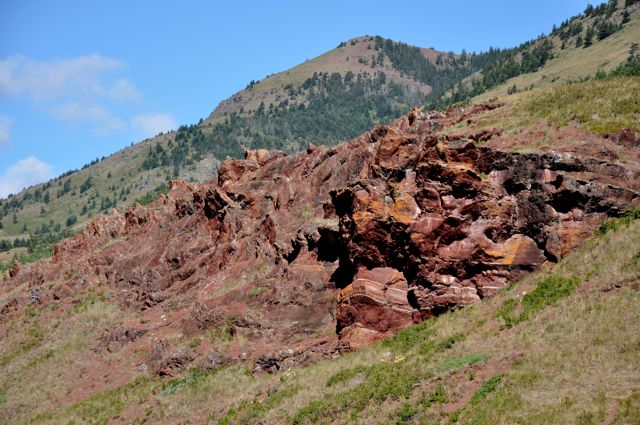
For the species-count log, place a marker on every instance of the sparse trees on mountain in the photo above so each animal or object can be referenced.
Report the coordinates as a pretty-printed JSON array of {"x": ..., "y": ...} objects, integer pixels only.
[
  {"x": 71, "y": 220},
  {"x": 625, "y": 17},
  {"x": 588, "y": 38},
  {"x": 88, "y": 183}
]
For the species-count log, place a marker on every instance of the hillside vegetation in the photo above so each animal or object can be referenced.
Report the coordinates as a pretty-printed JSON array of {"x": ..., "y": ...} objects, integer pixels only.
[
  {"x": 563, "y": 56},
  {"x": 334, "y": 97},
  {"x": 561, "y": 347}
]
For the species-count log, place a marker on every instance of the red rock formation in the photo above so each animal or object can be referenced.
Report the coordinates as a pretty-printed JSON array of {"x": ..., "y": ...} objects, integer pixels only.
[{"x": 364, "y": 238}]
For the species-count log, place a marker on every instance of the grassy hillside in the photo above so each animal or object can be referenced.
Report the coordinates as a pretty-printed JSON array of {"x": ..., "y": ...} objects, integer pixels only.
[
  {"x": 334, "y": 97},
  {"x": 561, "y": 347},
  {"x": 599, "y": 39},
  {"x": 573, "y": 63}
]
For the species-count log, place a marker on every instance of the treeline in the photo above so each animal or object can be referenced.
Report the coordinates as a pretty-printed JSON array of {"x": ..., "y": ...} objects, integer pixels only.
[
  {"x": 499, "y": 65},
  {"x": 325, "y": 109},
  {"x": 6, "y": 245},
  {"x": 410, "y": 60},
  {"x": 38, "y": 247}
]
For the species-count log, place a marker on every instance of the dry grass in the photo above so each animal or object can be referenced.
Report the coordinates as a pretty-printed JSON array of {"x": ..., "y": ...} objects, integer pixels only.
[
  {"x": 572, "y": 360},
  {"x": 574, "y": 63},
  {"x": 597, "y": 106},
  {"x": 38, "y": 353}
]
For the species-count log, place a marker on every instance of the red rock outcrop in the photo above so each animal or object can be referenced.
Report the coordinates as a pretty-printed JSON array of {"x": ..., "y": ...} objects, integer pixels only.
[{"x": 310, "y": 255}]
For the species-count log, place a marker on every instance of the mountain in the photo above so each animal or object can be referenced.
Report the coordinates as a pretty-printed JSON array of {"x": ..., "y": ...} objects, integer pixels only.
[
  {"x": 334, "y": 97},
  {"x": 475, "y": 264},
  {"x": 287, "y": 260}
]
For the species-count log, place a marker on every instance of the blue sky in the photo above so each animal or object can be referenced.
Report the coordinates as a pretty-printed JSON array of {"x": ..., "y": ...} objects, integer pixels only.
[{"x": 79, "y": 79}]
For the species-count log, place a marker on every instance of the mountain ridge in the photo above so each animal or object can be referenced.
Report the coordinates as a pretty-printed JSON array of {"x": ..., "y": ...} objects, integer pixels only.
[{"x": 194, "y": 152}]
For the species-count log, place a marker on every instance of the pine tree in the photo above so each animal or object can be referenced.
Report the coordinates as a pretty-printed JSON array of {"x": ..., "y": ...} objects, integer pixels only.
[
  {"x": 625, "y": 17},
  {"x": 588, "y": 38}
]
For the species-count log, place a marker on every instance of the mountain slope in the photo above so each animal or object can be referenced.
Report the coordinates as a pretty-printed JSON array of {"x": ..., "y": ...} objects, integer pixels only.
[
  {"x": 573, "y": 63},
  {"x": 356, "y": 56},
  {"x": 286, "y": 260},
  {"x": 342, "y": 98},
  {"x": 325, "y": 100}
]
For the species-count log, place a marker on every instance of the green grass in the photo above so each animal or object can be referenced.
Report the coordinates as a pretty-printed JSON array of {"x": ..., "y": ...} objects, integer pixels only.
[
  {"x": 345, "y": 375},
  {"x": 101, "y": 407},
  {"x": 598, "y": 106},
  {"x": 614, "y": 224},
  {"x": 545, "y": 375},
  {"x": 602, "y": 106},
  {"x": 487, "y": 387},
  {"x": 547, "y": 292},
  {"x": 452, "y": 363},
  {"x": 258, "y": 290},
  {"x": 192, "y": 378}
]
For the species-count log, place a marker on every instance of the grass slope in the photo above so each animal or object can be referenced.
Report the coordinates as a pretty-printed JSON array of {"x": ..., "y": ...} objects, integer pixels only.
[
  {"x": 573, "y": 63},
  {"x": 352, "y": 56},
  {"x": 561, "y": 347}
]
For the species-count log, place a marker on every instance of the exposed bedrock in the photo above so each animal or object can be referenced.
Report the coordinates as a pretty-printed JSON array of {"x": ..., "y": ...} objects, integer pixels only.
[{"x": 346, "y": 243}]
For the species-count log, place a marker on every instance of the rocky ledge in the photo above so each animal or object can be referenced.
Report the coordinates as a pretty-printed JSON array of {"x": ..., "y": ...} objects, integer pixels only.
[{"x": 290, "y": 259}]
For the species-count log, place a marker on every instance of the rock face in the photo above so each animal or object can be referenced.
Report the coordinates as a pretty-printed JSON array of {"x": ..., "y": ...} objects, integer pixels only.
[{"x": 289, "y": 259}]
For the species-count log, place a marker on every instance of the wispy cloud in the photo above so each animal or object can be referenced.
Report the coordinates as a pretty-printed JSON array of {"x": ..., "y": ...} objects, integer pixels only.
[
  {"x": 40, "y": 80},
  {"x": 80, "y": 90},
  {"x": 24, "y": 173},
  {"x": 104, "y": 121},
  {"x": 124, "y": 90},
  {"x": 5, "y": 130},
  {"x": 148, "y": 125}
]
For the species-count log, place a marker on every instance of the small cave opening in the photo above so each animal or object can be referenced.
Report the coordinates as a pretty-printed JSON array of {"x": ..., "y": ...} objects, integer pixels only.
[
  {"x": 344, "y": 274},
  {"x": 463, "y": 189},
  {"x": 342, "y": 201},
  {"x": 328, "y": 246},
  {"x": 513, "y": 186},
  {"x": 295, "y": 251},
  {"x": 565, "y": 200}
]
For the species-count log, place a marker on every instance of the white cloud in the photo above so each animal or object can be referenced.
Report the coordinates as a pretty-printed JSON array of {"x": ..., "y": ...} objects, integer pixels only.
[
  {"x": 104, "y": 121},
  {"x": 81, "y": 90},
  {"x": 24, "y": 173},
  {"x": 124, "y": 90},
  {"x": 40, "y": 80},
  {"x": 151, "y": 124},
  {"x": 5, "y": 130}
]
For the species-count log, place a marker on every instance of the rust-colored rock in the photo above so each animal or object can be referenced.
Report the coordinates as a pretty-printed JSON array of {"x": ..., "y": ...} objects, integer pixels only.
[
  {"x": 377, "y": 301},
  {"x": 265, "y": 263}
]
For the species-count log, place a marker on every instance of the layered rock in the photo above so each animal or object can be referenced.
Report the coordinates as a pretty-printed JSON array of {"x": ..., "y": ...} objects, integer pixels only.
[{"x": 289, "y": 259}]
